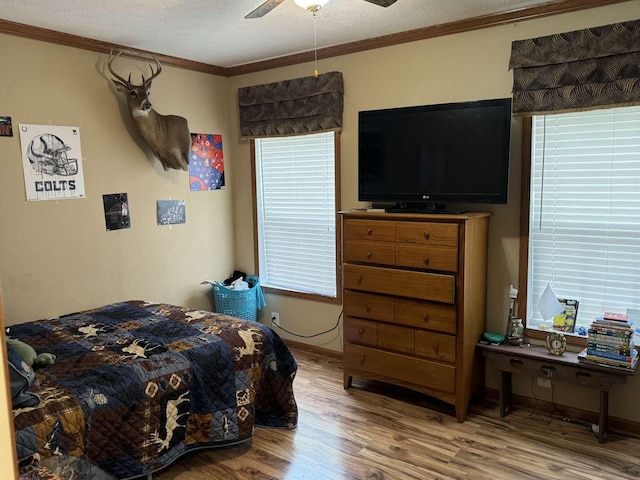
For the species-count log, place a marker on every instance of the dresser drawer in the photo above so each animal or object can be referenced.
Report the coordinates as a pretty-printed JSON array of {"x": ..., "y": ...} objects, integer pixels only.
[
  {"x": 396, "y": 338},
  {"x": 435, "y": 345},
  {"x": 407, "y": 369},
  {"x": 428, "y": 233},
  {"x": 427, "y": 257},
  {"x": 369, "y": 252},
  {"x": 360, "y": 331},
  {"x": 377, "y": 231},
  {"x": 422, "y": 285},
  {"x": 432, "y": 316},
  {"x": 364, "y": 305}
]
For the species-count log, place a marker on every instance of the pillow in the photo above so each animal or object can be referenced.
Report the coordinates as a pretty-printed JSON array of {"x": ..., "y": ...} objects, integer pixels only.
[
  {"x": 26, "y": 351},
  {"x": 21, "y": 377},
  {"x": 29, "y": 355}
]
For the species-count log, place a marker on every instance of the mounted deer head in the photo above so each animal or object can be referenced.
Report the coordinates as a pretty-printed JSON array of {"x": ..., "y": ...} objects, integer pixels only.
[{"x": 168, "y": 136}]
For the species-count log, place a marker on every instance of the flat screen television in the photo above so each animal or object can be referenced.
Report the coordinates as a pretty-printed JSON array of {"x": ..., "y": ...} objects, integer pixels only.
[{"x": 429, "y": 157}]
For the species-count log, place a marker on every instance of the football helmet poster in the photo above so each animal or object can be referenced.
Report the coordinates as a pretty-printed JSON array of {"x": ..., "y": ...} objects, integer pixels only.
[{"x": 52, "y": 162}]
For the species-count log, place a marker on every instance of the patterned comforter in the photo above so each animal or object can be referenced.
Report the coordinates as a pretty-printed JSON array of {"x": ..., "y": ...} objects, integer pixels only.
[{"x": 136, "y": 385}]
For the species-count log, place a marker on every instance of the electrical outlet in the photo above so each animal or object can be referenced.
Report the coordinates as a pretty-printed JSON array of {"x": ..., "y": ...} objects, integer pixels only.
[
  {"x": 544, "y": 382},
  {"x": 275, "y": 319}
]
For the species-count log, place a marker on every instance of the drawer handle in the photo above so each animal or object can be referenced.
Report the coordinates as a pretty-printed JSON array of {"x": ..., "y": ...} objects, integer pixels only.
[
  {"x": 368, "y": 254},
  {"x": 425, "y": 317},
  {"x": 369, "y": 231},
  {"x": 362, "y": 359},
  {"x": 361, "y": 331},
  {"x": 548, "y": 370},
  {"x": 425, "y": 260},
  {"x": 368, "y": 307},
  {"x": 583, "y": 378},
  {"x": 516, "y": 364},
  {"x": 359, "y": 278},
  {"x": 426, "y": 235},
  {"x": 436, "y": 347}
]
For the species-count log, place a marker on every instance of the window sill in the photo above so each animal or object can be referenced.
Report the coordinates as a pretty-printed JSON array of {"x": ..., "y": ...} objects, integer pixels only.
[
  {"x": 307, "y": 296},
  {"x": 572, "y": 338}
]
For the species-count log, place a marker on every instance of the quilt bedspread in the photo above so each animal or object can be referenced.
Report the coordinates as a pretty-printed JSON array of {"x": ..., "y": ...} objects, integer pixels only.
[{"x": 136, "y": 385}]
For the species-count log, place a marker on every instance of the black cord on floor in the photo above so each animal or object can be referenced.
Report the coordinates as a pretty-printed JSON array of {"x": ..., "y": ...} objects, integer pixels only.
[
  {"x": 534, "y": 413},
  {"x": 557, "y": 411},
  {"x": 310, "y": 336},
  {"x": 555, "y": 407}
]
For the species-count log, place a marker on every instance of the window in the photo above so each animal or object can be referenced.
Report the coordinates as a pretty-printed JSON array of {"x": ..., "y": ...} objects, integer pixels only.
[
  {"x": 584, "y": 206},
  {"x": 296, "y": 203}
]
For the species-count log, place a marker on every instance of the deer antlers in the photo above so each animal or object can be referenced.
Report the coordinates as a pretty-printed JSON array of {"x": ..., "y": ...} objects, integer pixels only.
[{"x": 127, "y": 83}]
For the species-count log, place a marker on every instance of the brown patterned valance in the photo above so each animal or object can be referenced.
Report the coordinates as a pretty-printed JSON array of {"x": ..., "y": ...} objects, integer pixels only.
[
  {"x": 292, "y": 107},
  {"x": 578, "y": 70}
]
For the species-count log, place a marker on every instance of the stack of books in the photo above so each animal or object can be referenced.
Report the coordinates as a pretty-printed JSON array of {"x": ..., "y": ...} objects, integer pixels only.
[{"x": 610, "y": 342}]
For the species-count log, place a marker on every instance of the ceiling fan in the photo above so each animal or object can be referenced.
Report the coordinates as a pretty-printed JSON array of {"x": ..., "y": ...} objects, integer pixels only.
[{"x": 313, "y": 5}]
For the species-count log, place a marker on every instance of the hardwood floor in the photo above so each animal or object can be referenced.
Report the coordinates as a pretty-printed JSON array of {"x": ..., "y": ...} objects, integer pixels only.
[{"x": 361, "y": 434}]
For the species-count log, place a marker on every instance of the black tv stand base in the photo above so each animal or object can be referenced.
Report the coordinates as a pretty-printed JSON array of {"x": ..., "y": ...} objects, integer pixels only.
[{"x": 424, "y": 208}]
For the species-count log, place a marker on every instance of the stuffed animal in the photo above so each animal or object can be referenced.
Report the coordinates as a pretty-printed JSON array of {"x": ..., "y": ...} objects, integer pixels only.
[
  {"x": 30, "y": 356},
  {"x": 44, "y": 359}
]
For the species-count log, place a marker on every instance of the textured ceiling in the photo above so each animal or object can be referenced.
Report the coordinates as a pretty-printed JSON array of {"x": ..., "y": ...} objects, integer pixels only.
[{"x": 215, "y": 31}]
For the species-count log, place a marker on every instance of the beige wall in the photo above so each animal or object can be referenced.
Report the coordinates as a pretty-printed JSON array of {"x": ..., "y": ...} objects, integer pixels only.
[
  {"x": 427, "y": 72},
  {"x": 468, "y": 66},
  {"x": 57, "y": 256}
]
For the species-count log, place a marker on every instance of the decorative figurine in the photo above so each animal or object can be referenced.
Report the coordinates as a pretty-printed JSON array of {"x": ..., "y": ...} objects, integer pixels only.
[{"x": 515, "y": 329}]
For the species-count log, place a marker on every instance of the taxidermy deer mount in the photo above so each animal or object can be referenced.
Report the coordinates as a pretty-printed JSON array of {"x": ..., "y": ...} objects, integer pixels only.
[{"x": 168, "y": 136}]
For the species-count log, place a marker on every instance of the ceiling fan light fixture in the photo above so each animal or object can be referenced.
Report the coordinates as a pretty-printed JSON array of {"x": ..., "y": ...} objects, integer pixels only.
[{"x": 311, "y": 5}]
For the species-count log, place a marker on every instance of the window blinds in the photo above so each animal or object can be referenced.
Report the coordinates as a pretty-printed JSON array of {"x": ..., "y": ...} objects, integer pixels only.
[
  {"x": 295, "y": 182},
  {"x": 584, "y": 236}
]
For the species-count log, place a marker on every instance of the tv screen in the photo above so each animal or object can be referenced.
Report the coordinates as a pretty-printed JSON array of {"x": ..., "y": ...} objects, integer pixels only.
[{"x": 427, "y": 155}]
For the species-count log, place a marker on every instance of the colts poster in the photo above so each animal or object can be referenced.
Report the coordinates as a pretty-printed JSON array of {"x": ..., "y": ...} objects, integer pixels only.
[{"x": 52, "y": 162}]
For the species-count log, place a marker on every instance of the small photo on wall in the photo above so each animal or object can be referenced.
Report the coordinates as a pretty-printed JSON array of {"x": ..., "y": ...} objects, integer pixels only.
[
  {"x": 116, "y": 211},
  {"x": 171, "y": 212},
  {"x": 6, "y": 128},
  {"x": 206, "y": 162}
]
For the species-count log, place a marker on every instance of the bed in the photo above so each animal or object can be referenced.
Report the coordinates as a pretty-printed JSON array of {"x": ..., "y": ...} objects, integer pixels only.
[{"x": 136, "y": 385}]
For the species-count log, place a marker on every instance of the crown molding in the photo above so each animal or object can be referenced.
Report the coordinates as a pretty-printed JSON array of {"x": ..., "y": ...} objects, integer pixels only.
[
  {"x": 75, "y": 41},
  {"x": 556, "y": 7}
]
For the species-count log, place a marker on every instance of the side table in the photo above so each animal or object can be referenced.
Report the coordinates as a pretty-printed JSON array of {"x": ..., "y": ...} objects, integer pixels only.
[{"x": 538, "y": 362}]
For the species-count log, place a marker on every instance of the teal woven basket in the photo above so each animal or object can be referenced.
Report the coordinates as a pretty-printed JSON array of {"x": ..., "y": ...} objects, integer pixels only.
[{"x": 237, "y": 303}]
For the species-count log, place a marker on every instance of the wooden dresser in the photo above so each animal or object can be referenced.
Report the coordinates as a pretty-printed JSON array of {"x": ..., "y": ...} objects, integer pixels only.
[{"x": 414, "y": 301}]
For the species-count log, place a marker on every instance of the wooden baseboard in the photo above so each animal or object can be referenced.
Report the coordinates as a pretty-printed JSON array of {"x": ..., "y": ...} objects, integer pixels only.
[
  {"x": 312, "y": 349},
  {"x": 616, "y": 425}
]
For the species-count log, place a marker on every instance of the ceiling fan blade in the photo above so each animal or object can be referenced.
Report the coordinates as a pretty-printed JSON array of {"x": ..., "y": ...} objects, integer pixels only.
[
  {"x": 265, "y": 8},
  {"x": 382, "y": 3}
]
